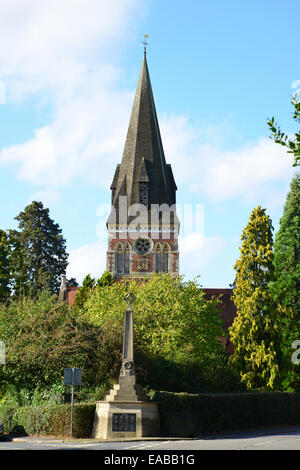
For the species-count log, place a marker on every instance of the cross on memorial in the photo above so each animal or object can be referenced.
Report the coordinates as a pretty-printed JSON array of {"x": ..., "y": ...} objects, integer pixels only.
[{"x": 127, "y": 368}]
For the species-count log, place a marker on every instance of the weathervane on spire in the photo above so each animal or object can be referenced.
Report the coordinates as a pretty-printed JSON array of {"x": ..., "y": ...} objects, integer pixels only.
[{"x": 145, "y": 43}]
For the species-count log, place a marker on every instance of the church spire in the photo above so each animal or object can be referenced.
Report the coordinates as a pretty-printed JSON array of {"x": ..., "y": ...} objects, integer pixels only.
[{"x": 143, "y": 158}]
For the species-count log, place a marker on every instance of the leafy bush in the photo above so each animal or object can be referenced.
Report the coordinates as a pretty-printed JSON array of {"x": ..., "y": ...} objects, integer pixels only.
[
  {"x": 48, "y": 420},
  {"x": 177, "y": 330},
  {"x": 42, "y": 337},
  {"x": 177, "y": 345}
]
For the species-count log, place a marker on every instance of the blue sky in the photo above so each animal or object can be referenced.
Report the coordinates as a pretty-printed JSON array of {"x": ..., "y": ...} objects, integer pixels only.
[{"x": 218, "y": 71}]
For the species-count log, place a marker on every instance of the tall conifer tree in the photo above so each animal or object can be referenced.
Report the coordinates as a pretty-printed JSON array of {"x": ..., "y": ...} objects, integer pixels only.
[
  {"x": 254, "y": 330},
  {"x": 4, "y": 267},
  {"x": 286, "y": 285},
  {"x": 38, "y": 253}
]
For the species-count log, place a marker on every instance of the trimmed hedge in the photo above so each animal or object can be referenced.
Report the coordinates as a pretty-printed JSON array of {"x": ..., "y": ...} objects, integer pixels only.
[
  {"x": 187, "y": 415},
  {"x": 181, "y": 414},
  {"x": 48, "y": 420}
]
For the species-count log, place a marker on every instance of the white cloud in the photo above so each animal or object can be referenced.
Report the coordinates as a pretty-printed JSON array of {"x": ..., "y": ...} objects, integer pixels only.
[
  {"x": 61, "y": 53},
  {"x": 48, "y": 45},
  {"x": 82, "y": 142},
  {"x": 247, "y": 171},
  {"x": 87, "y": 259},
  {"x": 204, "y": 168},
  {"x": 48, "y": 197},
  {"x": 196, "y": 251}
]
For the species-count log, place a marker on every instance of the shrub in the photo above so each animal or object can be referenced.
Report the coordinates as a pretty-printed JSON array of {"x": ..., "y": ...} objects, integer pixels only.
[
  {"x": 42, "y": 337},
  {"x": 53, "y": 420},
  {"x": 176, "y": 329}
]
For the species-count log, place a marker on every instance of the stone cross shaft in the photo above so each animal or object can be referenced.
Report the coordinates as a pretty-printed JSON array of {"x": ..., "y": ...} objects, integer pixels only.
[{"x": 127, "y": 359}]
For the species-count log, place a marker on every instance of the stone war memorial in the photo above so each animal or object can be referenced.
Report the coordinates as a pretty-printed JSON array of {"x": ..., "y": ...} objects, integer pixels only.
[{"x": 126, "y": 411}]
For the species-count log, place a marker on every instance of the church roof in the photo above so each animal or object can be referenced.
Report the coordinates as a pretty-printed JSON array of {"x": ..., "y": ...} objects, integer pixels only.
[{"x": 143, "y": 156}]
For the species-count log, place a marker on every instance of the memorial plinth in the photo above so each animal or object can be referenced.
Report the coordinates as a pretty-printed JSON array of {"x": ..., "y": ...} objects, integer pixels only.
[{"x": 126, "y": 411}]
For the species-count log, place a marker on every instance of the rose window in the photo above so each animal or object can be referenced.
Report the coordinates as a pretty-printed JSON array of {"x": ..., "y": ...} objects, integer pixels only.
[{"x": 142, "y": 246}]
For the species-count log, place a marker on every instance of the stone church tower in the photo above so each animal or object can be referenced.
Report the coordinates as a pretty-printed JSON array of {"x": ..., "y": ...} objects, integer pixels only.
[{"x": 143, "y": 226}]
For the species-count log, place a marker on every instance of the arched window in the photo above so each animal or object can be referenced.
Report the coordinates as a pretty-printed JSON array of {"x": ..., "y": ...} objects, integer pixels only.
[
  {"x": 165, "y": 259},
  {"x": 123, "y": 258},
  {"x": 119, "y": 258},
  {"x": 162, "y": 258},
  {"x": 158, "y": 258},
  {"x": 127, "y": 259}
]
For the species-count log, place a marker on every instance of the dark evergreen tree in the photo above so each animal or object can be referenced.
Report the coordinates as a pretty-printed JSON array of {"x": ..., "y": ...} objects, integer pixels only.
[
  {"x": 286, "y": 285},
  {"x": 38, "y": 251},
  {"x": 4, "y": 267},
  {"x": 72, "y": 282}
]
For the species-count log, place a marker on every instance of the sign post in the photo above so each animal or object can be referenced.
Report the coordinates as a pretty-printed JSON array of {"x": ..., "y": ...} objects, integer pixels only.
[{"x": 72, "y": 376}]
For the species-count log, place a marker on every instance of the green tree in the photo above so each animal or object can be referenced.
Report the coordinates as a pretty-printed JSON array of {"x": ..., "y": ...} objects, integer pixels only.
[
  {"x": 177, "y": 330},
  {"x": 38, "y": 251},
  {"x": 88, "y": 284},
  {"x": 43, "y": 336},
  {"x": 254, "y": 330},
  {"x": 72, "y": 282},
  {"x": 105, "y": 280},
  {"x": 84, "y": 291},
  {"x": 286, "y": 285},
  {"x": 293, "y": 145},
  {"x": 4, "y": 267}
]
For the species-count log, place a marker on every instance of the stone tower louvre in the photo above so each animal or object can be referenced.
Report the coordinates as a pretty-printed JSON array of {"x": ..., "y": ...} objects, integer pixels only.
[{"x": 143, "y": 226}]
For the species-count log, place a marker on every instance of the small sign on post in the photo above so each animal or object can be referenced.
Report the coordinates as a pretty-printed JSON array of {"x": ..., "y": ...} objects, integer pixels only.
[{"x": 72, "y": 376}]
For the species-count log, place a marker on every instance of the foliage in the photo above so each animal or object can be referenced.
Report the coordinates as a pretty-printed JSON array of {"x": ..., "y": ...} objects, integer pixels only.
[
  {"x": 38, "y": 251},
  {"x": 88, "y": 285},
  {"x": 42, "y": 337},
  {"x": 51, "y": 420},
  {"x": 177, "y": 343},
  {"x": 255, "y": 328},
  {"x": 283, "y": 139},
  {"x": 176, "y": 329},
  {"x": 72, "y": 282},
  {"x": 83, "y": 292},
  {"x": 286, "y": 285},
  {"x": 4, "y": 267},
  {"x": 105, "y": 280}
]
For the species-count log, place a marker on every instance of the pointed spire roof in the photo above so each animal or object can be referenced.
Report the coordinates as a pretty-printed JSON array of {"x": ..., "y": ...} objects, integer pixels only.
[{"x": 143, "y": 156}]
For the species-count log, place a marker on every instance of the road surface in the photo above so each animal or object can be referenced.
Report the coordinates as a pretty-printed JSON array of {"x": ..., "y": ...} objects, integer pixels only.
[{"x": 279, "y": 439}]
